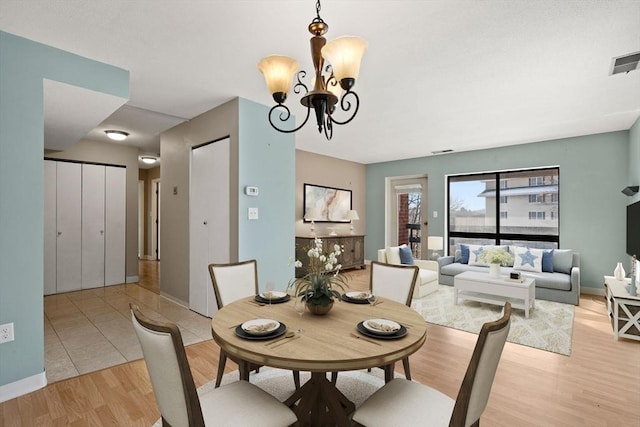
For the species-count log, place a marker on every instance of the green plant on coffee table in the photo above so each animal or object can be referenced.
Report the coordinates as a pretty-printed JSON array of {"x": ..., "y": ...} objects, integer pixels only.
[
  {"x": 496, "y": 256},
  {"x": 318, "y": 286}
]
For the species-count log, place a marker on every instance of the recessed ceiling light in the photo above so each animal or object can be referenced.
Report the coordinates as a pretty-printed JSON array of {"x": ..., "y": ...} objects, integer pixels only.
[
  {"x": 148, "y": 160},
  {"x": 116, "y": 135}
]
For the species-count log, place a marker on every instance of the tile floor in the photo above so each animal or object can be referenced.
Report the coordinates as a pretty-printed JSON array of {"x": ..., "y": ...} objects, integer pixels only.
[{"x": 88, "y": 330}]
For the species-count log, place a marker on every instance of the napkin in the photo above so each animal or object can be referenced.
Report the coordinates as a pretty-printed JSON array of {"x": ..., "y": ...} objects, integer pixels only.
[
  {"x": 382, "y": 327},
  {"x": 261, "y": 328},
  {"x": 361, "y": 295}
]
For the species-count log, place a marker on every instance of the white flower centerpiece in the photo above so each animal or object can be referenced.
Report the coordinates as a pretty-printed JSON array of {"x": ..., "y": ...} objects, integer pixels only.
[
  {"x": 495, "y": 258},
  {"x": 318, "y": 287}
]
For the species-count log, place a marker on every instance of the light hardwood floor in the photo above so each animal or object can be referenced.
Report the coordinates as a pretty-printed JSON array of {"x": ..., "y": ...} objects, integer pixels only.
[{"x": 598, "y": 385}]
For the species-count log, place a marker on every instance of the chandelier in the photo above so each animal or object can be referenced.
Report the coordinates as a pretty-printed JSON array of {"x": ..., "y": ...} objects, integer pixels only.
[{"x": 332, "y": 85}]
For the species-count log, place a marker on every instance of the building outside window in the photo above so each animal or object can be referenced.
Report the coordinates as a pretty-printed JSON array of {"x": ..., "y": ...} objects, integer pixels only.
[{"x": 478, "y": 212}]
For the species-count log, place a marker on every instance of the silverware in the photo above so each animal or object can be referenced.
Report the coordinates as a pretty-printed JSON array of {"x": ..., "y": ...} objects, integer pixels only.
[
  {"x": 365, "y": 339},
  {"x": 288, "y": 334},
  {"x": 256, "y": 303},
  {"x": 295, "y": 337}
]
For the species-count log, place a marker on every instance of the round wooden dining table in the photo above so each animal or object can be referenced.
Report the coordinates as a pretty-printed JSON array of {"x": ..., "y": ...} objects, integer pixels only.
[{"x": 319, "y": 344}]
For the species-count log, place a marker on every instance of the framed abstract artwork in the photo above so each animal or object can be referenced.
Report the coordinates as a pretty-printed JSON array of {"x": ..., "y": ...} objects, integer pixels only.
[{"x": 328, "y": 204}]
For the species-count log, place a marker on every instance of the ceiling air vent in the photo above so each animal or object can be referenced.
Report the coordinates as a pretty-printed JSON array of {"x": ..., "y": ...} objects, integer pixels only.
[
  {"x": 448, "y": 150},
  {"x": 625, "y": 63}
]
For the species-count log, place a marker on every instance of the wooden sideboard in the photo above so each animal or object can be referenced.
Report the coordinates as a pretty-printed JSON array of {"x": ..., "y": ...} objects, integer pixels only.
[{"x": 352, "y": 257}]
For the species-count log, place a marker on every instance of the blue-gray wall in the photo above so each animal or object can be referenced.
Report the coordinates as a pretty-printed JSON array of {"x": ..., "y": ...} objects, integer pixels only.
[
  {"x": 593, "y": 171},
  {"x": 23, "y": 66},
  {"x": 266, "y": 159},
  {"x": 634, "y": 160}
]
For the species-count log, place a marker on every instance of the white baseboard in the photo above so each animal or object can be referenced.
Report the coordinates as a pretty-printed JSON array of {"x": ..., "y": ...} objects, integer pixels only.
[
  {"x": 132, "y": 279},
  {"x": 175, "y": 300},
  {"x": 23, "y": 386}
]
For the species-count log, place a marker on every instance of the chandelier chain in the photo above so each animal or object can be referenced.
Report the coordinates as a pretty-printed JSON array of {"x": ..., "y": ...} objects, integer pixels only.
[{"x": 318, "y": 10}]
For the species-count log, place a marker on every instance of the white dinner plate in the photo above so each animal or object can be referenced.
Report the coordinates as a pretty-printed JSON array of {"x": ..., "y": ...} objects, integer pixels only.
[
  {"x": 358, "y": 295},
  {"x": 260, "y": 326},
  {"x": 381, "y": 326},
  {"x": 271, "y": 295}
]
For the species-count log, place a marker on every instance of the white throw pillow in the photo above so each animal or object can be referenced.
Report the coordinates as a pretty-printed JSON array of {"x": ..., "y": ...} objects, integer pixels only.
[
  {"x": 474, "y": 253},
  {"x": 527, "y": 259},
  {"x": 393, "y": 255}
]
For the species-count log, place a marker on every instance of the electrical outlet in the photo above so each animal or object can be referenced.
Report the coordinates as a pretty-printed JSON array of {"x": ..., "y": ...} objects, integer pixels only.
[{"x": 6, "y": 333}]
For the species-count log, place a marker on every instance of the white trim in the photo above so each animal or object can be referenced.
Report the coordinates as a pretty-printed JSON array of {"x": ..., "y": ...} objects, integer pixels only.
[
  {"x": 23, "y": 386},
  {"x": 176, "y": 300},
  {"x": 132, "y": 279}
]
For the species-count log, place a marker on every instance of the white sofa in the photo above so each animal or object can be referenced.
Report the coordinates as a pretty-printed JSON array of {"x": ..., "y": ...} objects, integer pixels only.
[{"x": 427, "y": 278}]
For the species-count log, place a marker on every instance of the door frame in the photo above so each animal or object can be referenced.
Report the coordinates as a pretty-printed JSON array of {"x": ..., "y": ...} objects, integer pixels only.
[
  {"x": 390, "y": 221},
  {"x": 155, "y": 219}
]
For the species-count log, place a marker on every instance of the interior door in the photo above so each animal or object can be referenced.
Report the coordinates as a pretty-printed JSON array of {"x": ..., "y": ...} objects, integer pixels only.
[
  {"x": 209, "y": 221},
  {"x": 115, "y": 225},
  {"x": 93, "y": 179},
  {"x": 69, "y": 229},
  {"x": 50, "y": 227}
]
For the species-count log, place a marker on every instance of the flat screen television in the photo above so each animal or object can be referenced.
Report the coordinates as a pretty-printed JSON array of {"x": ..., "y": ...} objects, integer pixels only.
[{"x": 633, "y": 229}]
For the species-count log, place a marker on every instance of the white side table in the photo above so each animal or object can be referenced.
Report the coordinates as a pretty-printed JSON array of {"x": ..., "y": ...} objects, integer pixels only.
[{"x": 623, "y": 309}]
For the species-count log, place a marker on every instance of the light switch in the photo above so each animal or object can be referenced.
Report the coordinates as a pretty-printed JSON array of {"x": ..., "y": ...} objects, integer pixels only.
[
  {"x": 435, "y": 214},
  {"x": 253, "y": 213}
]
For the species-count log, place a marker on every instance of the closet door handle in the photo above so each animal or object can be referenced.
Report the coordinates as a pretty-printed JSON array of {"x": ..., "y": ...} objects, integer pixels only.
[
  {"x": 101, "y": 232},
  {"x": 205, "y": 223},
  {"x": 59, "y": 233}
]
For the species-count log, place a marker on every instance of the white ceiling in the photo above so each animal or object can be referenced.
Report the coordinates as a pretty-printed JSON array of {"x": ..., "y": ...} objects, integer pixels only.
[{"x": 437, "y": 75}]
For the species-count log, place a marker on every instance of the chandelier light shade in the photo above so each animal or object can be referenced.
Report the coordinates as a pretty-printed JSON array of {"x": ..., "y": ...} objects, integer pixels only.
[
  {"x": 332, "y": 83},
  {"x": 278, "y": 72},
  {"x": 345, "y": 54}
]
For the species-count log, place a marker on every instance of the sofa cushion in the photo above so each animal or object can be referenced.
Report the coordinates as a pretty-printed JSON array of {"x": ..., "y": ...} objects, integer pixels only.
[
  {"x": 562, "y": 260},
  {"x": 556, "y": 281},
  {"x": 527, "y": 259},
  {"x": 406, "y": 256},
  {"x": 547, "y": 261},
  {"x": 393, "y": 255}
]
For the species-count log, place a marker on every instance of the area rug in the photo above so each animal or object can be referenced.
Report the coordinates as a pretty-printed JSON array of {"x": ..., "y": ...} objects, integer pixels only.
[
  {"x": 549, "y": 326},
  {"x": 356, "y": 385}
]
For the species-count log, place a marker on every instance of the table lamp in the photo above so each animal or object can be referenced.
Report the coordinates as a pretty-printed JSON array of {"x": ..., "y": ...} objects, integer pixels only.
[
  {"x": 313, "y": 214},
  {"x": 435, "y": 244},
  {"x": 352, "y": 215}
]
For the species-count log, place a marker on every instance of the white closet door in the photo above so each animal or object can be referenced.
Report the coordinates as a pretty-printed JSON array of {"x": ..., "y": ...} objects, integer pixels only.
[
  {"x": 115, "y": 225},
  {"x": 69, "y": 230},
  {"x": 50, "y": 227},
  {"x": 209, "y": 223},
  {"x": 93, "y": 182}
]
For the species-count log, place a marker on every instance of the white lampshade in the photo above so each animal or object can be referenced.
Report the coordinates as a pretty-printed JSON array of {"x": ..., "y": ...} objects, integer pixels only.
[
  {"x": 345, "y": 54},
  {"x": 352, "y": 215},
  {"x": 278, "y": 71},
  {"x": 435, "y": 243},
  {"x": 313, "y": 214}
]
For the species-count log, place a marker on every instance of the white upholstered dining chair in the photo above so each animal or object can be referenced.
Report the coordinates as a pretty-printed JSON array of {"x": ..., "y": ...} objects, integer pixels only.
[
  {"x": 175, "y": 391},
  {"x": 397, "y": 283},
  {"x": 231, "y": 282},
  {"x": 402, "y": 402}
]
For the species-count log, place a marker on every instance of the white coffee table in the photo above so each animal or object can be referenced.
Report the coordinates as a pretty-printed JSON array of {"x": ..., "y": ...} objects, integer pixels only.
[{"x": 479, "y": 286}]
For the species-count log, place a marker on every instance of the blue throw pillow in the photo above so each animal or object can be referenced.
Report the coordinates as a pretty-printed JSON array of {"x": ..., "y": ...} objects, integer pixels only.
[
  {"x": 547, "y": 261},
  {"x": 464, "y": 257},
  {"x": 406, "y": 257}
]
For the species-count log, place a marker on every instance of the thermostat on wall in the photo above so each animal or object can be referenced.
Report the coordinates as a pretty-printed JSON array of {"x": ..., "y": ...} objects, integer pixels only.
[{"x": 251, "y": 191}]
